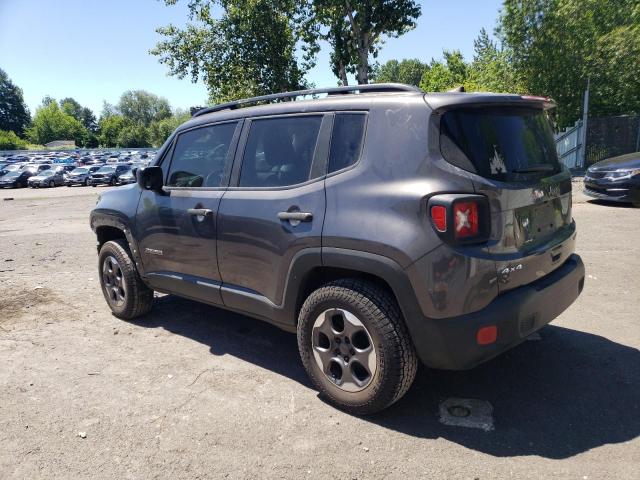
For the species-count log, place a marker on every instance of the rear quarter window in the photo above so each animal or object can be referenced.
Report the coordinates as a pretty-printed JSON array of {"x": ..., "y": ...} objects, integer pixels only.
[{"x": 346, "y": 140}]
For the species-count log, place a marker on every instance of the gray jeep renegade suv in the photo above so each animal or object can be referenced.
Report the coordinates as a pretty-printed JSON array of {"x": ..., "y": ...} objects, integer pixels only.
[{"x": 382, "y": 224}]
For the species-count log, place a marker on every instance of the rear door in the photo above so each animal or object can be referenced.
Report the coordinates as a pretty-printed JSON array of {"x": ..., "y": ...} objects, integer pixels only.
[
  {"x": 512, "y": 154},
  {"x": 273, "y": 209},
  {"x": 177, "y": 227}
]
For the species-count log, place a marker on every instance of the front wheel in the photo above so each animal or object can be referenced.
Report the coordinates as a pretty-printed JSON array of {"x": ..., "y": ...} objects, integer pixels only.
[
  {"x": 123, "y": 289},
  {"x": 355, "y": 347},
  {"x": 52, "y": 184}
]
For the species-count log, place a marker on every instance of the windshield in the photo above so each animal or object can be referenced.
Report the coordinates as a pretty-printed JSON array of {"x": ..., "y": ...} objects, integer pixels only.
[
  {"x": 499, "y": 143},
  {"x": 80, "y": 170},
  {"x": 106, "y": 170},
  {"x": 12, "y": 174},
  {"x": 47, "y": 173}
]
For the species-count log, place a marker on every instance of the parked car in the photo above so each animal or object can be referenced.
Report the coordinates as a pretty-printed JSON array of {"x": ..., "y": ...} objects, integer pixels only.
[
  {"x": 128, "y": 176},
  {"x": 15, "y": 179},
  {"x": 382, "y": 226},
  {"x": 107, "y": 175},
  {"x": 13, "y": 167},
  {"x": 80, "y": 175},
  {"x": 47, "y": 178},
  {"x": 616, "y": 179}
]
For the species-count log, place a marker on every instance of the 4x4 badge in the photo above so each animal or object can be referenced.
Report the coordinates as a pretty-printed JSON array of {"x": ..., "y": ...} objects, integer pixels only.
[
  {"x": 506, "y": 271},
  {"x": 152, "y": 251}
]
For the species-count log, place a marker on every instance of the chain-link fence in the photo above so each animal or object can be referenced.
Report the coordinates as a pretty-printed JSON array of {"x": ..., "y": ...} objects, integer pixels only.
[{"x": 611, "y": 136}]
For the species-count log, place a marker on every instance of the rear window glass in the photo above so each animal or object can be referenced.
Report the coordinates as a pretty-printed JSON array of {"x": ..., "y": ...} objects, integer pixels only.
[
  {"x": 501, "y": 143},
  {"x": 346, "y": 140}
]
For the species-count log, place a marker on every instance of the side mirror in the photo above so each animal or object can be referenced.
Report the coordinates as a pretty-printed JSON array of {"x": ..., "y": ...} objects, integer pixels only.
[{"x": 150, "y": 178}]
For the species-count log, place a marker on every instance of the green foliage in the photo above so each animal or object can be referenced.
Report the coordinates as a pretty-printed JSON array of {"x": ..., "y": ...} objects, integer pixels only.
[
  {"x": 14, "y": 114},
  {"x": 556, "y": 45},
  {"x": 110, "y": 127},
  {"x": 250, "y": 50},
  {"x": 441, "y": 76},
  {"x": 407, "y": 71},
  {"x": 356, "y": 29},
  {"x": 491, "y": 70},
  {"x": 132, "y": 135},
  {"x": 159, "y": 131},
  {"x": 51, "y": 123},
  {"x": 10, "y": 141},
  {"x": 143, "y": 107}
]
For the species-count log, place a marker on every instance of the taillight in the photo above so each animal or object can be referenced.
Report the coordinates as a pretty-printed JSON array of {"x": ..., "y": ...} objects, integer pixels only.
[
  {"x": 439, "y": 217},
  {"x": 465, "y": 219},
  {"x": 460, "y": 218}
]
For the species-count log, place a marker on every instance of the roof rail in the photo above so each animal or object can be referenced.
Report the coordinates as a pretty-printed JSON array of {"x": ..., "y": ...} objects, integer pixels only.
[{"x": 371, "y": 88}]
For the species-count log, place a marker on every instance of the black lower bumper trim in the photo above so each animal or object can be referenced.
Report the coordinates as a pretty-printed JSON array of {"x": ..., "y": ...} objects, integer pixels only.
[{"x": 517, "y": 314}]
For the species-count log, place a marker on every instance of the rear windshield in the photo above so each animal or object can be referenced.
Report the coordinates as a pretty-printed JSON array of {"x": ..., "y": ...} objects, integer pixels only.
[{"x": 506, "y": 144}]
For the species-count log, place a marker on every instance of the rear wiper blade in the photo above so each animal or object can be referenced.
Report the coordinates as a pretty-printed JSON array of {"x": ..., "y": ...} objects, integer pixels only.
[{"x": 541, "y": 167}]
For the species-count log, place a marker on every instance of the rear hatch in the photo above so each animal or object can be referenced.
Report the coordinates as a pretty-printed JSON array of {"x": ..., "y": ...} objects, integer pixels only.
[{"x": 510, "y": 153}]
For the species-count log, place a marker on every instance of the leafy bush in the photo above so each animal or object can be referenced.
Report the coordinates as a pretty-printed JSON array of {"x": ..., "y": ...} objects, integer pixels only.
[{"x": 10, "y": 141}]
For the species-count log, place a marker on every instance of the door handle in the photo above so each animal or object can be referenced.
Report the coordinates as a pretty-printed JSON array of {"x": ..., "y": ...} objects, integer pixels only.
[
  {"x": 296, "y": 216},
  {"x": 200, "y": 212}
]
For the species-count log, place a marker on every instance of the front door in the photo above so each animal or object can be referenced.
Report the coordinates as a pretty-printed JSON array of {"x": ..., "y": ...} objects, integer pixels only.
[
  {"x": 177, "y": 227},
  {"x": 273, "y": 209}
]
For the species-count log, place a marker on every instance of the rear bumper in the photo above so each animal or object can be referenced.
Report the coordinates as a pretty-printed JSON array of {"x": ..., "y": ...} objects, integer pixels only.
[{"x": 451, "y": 343}]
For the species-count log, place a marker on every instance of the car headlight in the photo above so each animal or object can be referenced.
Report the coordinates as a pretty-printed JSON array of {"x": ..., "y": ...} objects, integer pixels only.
[{"x": 621, "y": 174}]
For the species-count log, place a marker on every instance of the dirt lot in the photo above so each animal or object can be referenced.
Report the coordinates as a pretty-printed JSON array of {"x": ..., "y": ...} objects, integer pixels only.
[{"x": 196, "y": 392}]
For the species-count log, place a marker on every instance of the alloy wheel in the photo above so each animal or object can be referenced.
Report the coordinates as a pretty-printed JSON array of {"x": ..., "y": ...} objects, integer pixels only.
[
  {"x": 113, "y": 281},
  {"x": 344, "y": 350}
]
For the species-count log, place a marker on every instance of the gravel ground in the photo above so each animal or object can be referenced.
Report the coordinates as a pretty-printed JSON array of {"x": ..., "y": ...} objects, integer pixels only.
[{"x": 196, "y": 392}]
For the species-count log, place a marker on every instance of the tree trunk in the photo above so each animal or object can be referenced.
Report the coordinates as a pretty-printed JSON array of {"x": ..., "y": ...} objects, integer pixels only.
[
  {"x": 343, "y": 75},
  {"x": 363, "y": 59}
]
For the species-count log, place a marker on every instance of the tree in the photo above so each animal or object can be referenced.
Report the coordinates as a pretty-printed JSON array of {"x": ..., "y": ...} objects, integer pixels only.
[
  {"x": 133, "y": 135},
  {"x": 250, "y": 50},
  {"x": 110, "y": 127},
  {"x": 441, "y": 76},
  {"x": 356, "y": 30},
  {"x": 51, "y": 123},
  {"x": 143, "y": 107},
  {"x": 160, "y": 130},
  {"x": 407, "y": 71},
  {"x": 14, "y": 114},
  {"x": 71, "y": 107},
  {"x": 10, "y": 141},
  {"x": 491, "y": 70},
  {"x": 555, "y": 46}
]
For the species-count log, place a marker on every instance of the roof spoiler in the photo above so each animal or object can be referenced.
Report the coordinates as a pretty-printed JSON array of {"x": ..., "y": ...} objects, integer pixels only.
[{"x": 453, "y": 99}]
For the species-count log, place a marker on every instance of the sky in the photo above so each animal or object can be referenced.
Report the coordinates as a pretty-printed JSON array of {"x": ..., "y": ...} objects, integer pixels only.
[{"x": 94, "y": 50}]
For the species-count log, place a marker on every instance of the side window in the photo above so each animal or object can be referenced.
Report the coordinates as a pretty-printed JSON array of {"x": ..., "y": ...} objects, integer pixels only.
[
  {"x": 279, "y": 151},
  {"x": 200, "y": 156},
  {"x": 346, "y": 140}
]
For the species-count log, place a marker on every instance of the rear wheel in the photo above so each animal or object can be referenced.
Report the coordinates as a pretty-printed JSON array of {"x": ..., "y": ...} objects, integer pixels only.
[
  {"x": 355, "y": 347},
  {"x": 123, "y": 289}
]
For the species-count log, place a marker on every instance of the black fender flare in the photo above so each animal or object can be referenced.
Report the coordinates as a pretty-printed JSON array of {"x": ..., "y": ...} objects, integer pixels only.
[{"x": 111, "y": 218}]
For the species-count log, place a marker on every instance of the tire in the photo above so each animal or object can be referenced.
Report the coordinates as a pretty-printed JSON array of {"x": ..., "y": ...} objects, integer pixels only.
[
  {"x": 112, "y": 182},
  {"x": 52, "y": 184},
  {"x": 86, "y": 182},
  {"x": 127, "y": 297},
  {"x": 391, "y": 354}
]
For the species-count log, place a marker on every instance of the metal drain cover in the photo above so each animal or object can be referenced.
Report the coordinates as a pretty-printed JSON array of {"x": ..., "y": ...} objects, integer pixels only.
[{"x": 467, "y": 412}]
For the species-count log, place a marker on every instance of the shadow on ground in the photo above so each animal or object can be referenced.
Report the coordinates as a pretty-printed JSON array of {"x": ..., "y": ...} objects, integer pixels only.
[
  {"x": 557, "y": 397},
  {"x": 609, "y": 203}
]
